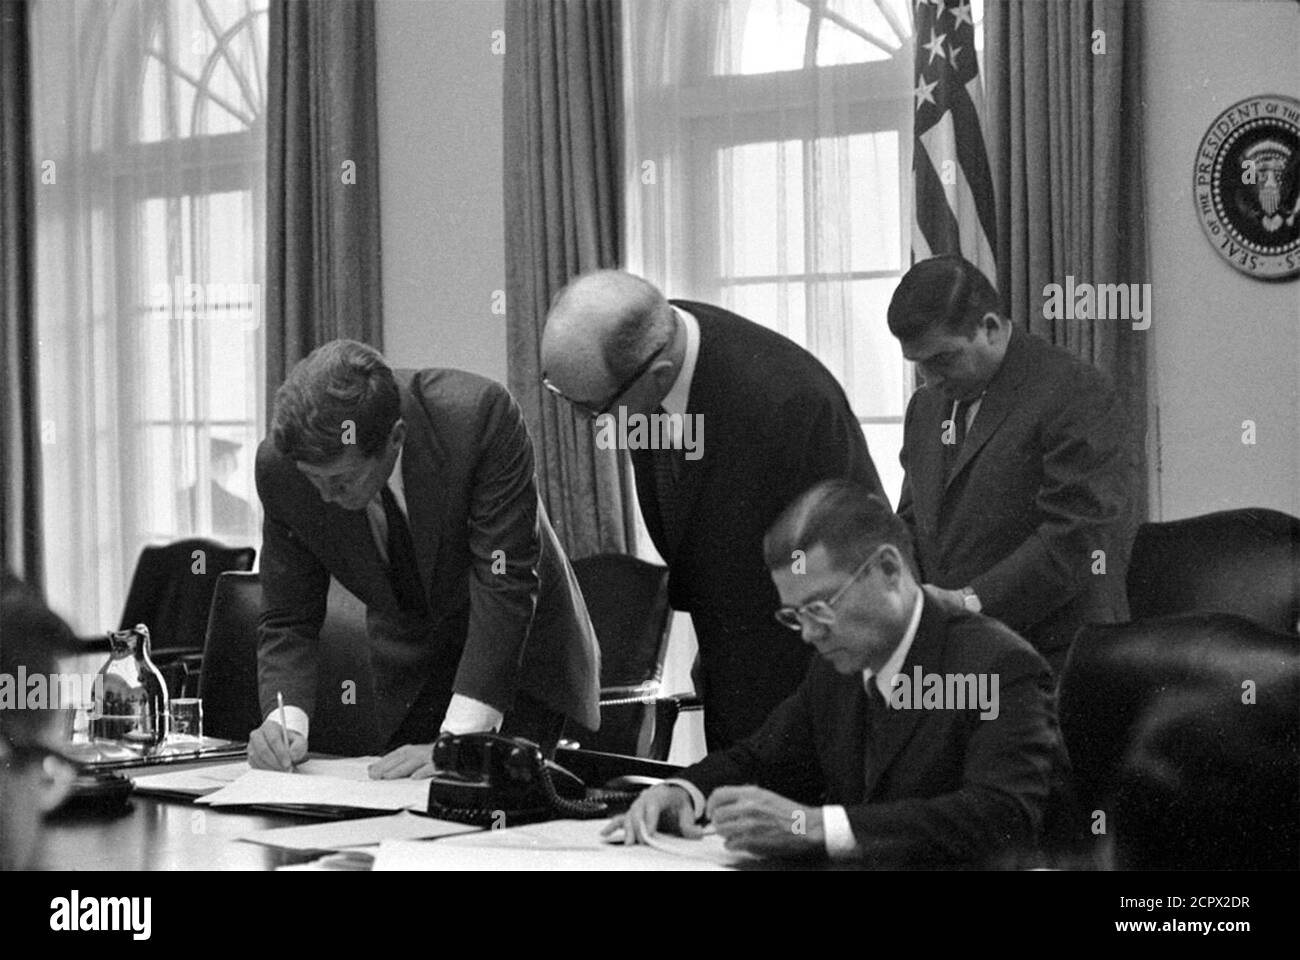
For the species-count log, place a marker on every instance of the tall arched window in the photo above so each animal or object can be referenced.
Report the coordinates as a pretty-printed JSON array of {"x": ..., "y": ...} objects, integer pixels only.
[{"x": 150, "y": 117}]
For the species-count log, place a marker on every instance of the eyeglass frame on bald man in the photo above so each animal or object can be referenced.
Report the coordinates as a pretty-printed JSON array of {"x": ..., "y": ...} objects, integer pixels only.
[
  {"x": 623, "y": 388},
  {"x": 822, "y": 611}
]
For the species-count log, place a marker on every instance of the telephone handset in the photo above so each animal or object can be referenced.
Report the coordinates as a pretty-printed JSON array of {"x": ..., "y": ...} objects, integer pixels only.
[{"x": 480, "y": 777}]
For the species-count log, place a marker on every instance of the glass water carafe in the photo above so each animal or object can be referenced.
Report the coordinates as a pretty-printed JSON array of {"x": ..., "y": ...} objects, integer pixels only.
[{"x": 134, "y": 710}]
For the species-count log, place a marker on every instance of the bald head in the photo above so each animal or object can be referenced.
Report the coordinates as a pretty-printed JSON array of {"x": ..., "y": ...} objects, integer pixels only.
[{"x": 601, "y": 327}]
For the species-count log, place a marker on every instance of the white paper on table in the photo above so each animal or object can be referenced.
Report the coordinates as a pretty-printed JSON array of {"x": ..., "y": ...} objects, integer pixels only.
[
  {"x": 363, "y": 832},
  {"x": 199, "y": 781},
  {"x": 272, "y": 787},
  {"x": 555, "y": 845},
  {"x": 710, "y": 848},
  {"x": 195, "y": 781}
]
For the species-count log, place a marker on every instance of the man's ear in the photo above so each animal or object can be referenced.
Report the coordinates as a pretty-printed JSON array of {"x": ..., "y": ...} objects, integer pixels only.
[
  {"x": 891, "y": 563},
  {"x": 663, "y": 374},
  {"x": 996, "y": 327},
  {"x": 397, "y": 435}
]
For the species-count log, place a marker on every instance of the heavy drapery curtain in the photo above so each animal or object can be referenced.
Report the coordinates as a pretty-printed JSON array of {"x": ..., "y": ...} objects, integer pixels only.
[
  {"x": 563, "y": 215},
  {"x": 322, "y": 251},
  {"x": 1065, "y": 118},
  {"x": 20, "y": 521},
  {"x": 147, "y": 161}
]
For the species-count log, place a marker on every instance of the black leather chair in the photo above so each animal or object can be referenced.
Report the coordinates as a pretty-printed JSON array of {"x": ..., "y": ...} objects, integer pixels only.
[
  {"x": 1212, "y": 783},
  {"x": 171, "y": 593},
  {"x": 229, "y": 681},
  {"x": 1245, "y": 562},
  {"x": 1115, "y": 672},
  {"x": 627, "y": 599}
]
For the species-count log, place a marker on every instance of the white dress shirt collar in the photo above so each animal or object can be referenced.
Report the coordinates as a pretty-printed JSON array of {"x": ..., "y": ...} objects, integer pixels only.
[
  {"x": 680, "y": 394},
  {"x": 894, "y": 665}
]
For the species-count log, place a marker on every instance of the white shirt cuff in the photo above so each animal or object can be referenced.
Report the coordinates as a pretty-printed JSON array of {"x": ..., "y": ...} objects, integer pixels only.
[
  {"x": 697, "y": 798},
  {"x": 838, "y": 834},
  {"x": 295, "y": 719},
  {"x": 467, "y": 715}
]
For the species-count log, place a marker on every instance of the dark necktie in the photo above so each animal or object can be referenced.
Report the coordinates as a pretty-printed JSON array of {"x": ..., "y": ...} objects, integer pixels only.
[
  {"x": 402, "y": 570},
  {"x": 952, "y": 450},
  {"x": 667, "y": 490},
  {"x": 877, "y": 714}
]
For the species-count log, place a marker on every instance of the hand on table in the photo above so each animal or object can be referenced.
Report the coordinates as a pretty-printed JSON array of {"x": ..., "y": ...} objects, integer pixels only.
[
  {"x": 413, "y": 760},
  {"x": 765, "y": 823},
  {"x": 664, "y": 805}
]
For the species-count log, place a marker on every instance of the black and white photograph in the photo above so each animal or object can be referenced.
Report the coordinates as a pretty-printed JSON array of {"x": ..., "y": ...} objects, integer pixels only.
[{"x": 650, "y": 436}]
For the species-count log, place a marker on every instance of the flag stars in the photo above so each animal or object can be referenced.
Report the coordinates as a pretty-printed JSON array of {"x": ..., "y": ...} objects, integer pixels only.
[
  {"x": 952, "y": 54},
  {"x": 924, "y": 92},
  {"x": 935, "y": 46},
  {"x": 961, "y": 13}
]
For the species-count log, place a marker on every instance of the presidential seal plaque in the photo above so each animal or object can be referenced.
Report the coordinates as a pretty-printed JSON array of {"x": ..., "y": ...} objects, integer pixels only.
[{"x": 1247, "y": 186}]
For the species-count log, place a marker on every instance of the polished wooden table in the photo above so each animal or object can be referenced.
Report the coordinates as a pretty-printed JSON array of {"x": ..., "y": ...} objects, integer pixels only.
[{"x": 161, "y": 833}]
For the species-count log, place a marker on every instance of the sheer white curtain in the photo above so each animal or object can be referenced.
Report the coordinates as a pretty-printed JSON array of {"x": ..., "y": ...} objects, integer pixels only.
[
  {"x": 149, "y": 145},
  {"x": 768, "y": 171}
]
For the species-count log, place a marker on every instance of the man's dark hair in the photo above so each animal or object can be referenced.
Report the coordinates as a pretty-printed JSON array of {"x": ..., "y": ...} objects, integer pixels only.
[
  {"x": 32, "y": 638},
  {"x": 1212, "y": 783},
  {"x": 947, "y": 293},
  {"x": 342, "y": 381},
  {"x": 844, "y": 517}
]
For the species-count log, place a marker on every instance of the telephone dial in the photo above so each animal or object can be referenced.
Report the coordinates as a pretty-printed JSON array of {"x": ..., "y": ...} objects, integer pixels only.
[{"x": 479, "y": 777}]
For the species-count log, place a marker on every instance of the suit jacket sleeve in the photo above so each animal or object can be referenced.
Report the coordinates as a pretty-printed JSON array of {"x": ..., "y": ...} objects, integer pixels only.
[
  {"x": 505, "y": 552},
  {"x": 1082, "y": 498},
  {"x": 781, "y": 755},
  {"x": 295, "y": 589},
  {"x": 906, "y": 506},
  {"x": 1007, "y": 777}
]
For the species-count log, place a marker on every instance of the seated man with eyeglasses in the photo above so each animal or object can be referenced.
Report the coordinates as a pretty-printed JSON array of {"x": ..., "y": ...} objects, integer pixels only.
[
  {"x": 919, "y": 737},
  {"x": 34, "y": 775}
]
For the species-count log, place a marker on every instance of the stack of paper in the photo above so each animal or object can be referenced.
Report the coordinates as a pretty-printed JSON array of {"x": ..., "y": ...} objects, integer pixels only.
[
  {"x": 270, "y": 787},
  {"x": 323, "y": 783},
  {"x": 556, "y": 845},
  {"x": 345, "y": 834}
]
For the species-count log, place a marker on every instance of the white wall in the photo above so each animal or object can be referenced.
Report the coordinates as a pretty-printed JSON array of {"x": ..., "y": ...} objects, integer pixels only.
[
  {"x": 440, "y": 181},
  {"x": 1225, "y": 347}
]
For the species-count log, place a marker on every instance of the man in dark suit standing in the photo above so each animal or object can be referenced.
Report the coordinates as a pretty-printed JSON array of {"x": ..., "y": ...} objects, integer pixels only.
[
  {"x": 919, "y": 737},
  {"x": 759, "y": 421},
  {"x": 416, "y": 491},
  {"x": 1016, "y": 483}
]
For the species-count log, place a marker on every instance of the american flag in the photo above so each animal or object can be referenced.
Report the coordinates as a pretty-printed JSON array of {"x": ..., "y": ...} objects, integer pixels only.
[{"x": 954, "y": 210}]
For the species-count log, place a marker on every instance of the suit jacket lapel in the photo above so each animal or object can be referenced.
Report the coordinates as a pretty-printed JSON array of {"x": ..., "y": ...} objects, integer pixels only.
[
  {"x": 899, "y": 726},
  {"x": 999, "y": 400},
  {"x": 423, "y": 476}
]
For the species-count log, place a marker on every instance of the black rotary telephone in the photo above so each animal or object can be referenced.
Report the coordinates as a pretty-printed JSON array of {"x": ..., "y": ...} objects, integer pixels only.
[{"x": 484, "y": 778}]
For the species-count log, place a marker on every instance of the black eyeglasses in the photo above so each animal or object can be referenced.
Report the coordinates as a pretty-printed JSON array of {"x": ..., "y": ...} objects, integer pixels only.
[
  {"x": 821, "y": 611},
  {"x": 623, "y": 387}
]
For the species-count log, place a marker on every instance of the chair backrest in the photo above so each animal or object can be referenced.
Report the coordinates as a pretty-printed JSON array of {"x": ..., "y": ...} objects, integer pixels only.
[
  {"x": 627, "y": 599},
  {"x": 1245, "y": 562},
  {"x": 228, "y": 684},
  {"x": 171, "y": 590},
  {"x": 1114, "y": 673}
]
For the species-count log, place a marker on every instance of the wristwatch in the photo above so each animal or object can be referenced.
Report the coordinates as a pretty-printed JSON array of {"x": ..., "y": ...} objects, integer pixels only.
[{"x": 970, "y": 601}]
